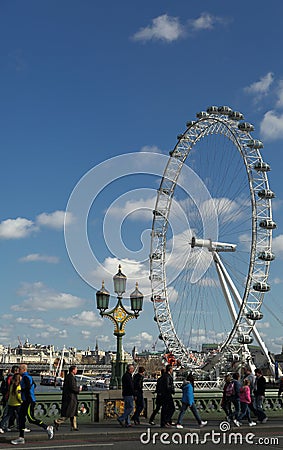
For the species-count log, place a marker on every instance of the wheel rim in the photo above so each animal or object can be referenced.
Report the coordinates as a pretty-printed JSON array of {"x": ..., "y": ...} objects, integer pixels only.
[{"x": 234, "y": 173}]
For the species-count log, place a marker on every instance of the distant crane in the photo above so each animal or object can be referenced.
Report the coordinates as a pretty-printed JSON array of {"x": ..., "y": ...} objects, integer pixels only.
[{"x": 20, "y": 342}]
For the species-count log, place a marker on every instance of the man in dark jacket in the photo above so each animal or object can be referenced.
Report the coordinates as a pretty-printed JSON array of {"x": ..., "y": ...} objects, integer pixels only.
[
  {"x": 128, "y": 393},
  {"x": 158, "y": 402},
  {"x": 69, "y": 408},
  {"x": 138, "y": 388},
  {"x": 167, "y": 390},
  {"x": 259, "y": 392}
]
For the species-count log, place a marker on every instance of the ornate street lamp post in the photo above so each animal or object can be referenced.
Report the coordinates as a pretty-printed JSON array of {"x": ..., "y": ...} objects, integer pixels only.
[{"x": 119, "y": 316}]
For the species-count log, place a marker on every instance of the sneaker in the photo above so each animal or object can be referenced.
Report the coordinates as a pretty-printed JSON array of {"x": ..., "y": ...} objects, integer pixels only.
[
  {"x": 20, "y": 440},
  {"x": 264, "y": 420},
  {"x": 26, "y": 430},
  {"x": 236, "y": 423},
  {"x": 151, "y": 422},
  {"x": 50, "y": 431},
  {"x": 8, "y": 429},
  {"x": 2, "y": 431},
  {"x": 179, "y": 425},
  {"x": 252, "y": 424},
  {"x": 203, "y": 423}
]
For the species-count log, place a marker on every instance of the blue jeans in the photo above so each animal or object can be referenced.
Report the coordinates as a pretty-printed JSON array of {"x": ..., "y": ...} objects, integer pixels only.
[
  {"x": 184, "y": 409},
  {"x": 237, "y": 407},
  {"x": 258, "y": 403},
  {"x": 245, "y": 411},
  {"x": 128, "y": 409}
]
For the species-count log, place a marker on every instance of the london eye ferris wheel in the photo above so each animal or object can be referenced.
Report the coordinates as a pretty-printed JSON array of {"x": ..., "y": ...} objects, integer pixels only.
[{"x": 211, "y": 242}]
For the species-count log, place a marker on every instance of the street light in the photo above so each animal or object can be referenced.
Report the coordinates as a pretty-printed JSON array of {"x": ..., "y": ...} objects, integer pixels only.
[{"x": 119, "y": 316}]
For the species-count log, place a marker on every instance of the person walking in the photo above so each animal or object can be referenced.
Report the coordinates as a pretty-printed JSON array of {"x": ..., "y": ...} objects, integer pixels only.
[
  {"x": 5, "y": 390},
  {"x": 226, "y": 396},
  {"x": 167, "y": 403},
  {"x": 27, "y": 406},
  {"x": 158, "y": 399},
  {"x": 245, "y": 400},
  {"x": 259, "y": 391},
  {"x": 251, "y": 377},
  {"x": 235, "y": 399},
  {"x": 188, "y": 401},
  {"x": 13, "y": 405},
  {"x": 128, "y": 393},
  {"x": 138, "y": 394},
  {"x": 69, "y": 407}
]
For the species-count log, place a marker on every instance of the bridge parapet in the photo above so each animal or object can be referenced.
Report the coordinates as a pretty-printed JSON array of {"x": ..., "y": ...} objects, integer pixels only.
[{"x": 101, "y": 406}]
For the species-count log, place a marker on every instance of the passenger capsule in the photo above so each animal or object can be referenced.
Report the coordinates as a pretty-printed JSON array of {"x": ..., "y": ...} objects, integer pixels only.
[
  {"x": 255, "y": 143},
  {"x": 260, "y": 286},
  {"x": 262, "y": 166},
  {"x": 224, "y": 110},
  {"x": 266, "y": 193},
  {"x": 165, "y": 191},
  {"x": 233, "y": 357},
  {"x": 236, "y": 115},
  {"x": 245, "y": 339},
  {"x": 202, "y": 115},
  {"x": 176, "y": 153},
  {"x": 158, "y": 213},
  {"x": 266, "y": 256},
  {"x": 190, "y": 123},
  {"x": 254, "y": 315},
  {"x": 268, "y": 224},
  {"x": 246, "y": 126},
  {"x": 212, "y": 110},
  {"x": 155, "y": 256}
]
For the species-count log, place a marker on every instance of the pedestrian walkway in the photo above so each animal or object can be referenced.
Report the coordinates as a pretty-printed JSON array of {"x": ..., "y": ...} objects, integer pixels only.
[{"x": 112, "y": 431}]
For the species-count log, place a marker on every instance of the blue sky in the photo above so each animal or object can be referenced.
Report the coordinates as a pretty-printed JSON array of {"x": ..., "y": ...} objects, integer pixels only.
[{"x": 83, "y": 82}]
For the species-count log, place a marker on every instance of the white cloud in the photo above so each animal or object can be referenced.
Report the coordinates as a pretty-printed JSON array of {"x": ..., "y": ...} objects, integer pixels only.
[
  {"x": 142, "y": 340},
  {"x": 53, "y": 220},
  {"x": 162, "y": 28},
  {"x": 37, "y": 257},
  {"x": 263, "y": 325},
  {"x": 261, "y": 87},
  {"x": 42, "y": 298},
  {"x": 205, "y": 21},
  {"x": 277, "y": 245},
  {"x": 279, "y": 103},
  {"x": 277, "y": 280},
  {"x": 16, "y": 228},
  {"x": 140, "y": 209},
  {"x": 150, "y": 149},
  {"x": 271, "y": 127},
  {"x": 83, "y": 319},
  {"x": 21, "y": 228},
  {"x": 134, "y": 270}
]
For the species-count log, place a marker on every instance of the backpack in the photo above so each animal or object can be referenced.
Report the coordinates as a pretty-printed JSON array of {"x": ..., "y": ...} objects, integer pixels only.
[{"x": 230, "y": 389}]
